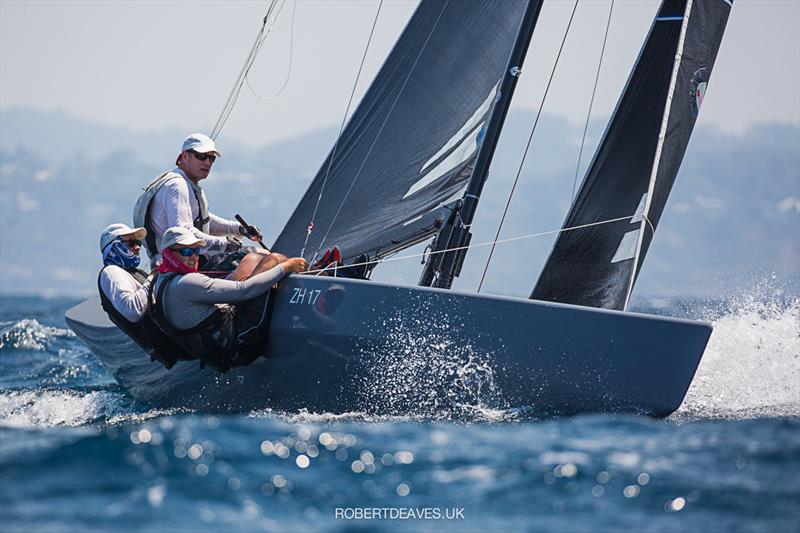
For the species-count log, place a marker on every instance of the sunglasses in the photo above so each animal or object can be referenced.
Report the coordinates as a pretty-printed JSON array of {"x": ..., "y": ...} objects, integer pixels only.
[
  {"x": 133, "y": 242},
  {"x": 186, "y": 252},
  {"x": 203, "y": 157}
]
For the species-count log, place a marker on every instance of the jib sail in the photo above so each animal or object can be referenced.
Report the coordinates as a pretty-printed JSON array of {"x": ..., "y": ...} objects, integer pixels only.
[{"x": 637, "y": 160}]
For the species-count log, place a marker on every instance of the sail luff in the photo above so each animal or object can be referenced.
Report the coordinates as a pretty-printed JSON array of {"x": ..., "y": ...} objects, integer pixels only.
[{"x": 659, "y": 148}]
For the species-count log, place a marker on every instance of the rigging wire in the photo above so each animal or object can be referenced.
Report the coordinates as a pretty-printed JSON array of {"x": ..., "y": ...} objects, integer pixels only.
[
  {"x": 266, "y": 26},
  {"x": 289, "y": 68},
  {"x": 378, "y": 134},
  {"x": 527, "y": 147},
  {"x": 338, "y": 137},
  {"x": 591, "y": 102},
  {"x": 469, "y": 246}
]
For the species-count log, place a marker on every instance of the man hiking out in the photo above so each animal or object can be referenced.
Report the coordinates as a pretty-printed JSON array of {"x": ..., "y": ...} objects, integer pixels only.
[{"x": 220, "y": 322}]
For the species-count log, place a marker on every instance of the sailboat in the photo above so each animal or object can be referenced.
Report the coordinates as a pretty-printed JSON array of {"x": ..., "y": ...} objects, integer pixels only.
[{"x": 410, "y": 166}]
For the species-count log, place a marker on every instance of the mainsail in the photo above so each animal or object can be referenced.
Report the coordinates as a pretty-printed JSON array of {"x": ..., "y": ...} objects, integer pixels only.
[
  {"x": 637, "y": 160},
  {"x": 411, "y": 143}
]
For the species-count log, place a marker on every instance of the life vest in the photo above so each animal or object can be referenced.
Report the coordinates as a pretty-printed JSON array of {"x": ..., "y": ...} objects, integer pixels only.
[
  {"x": 141, "y": 211},
  {"x": 144, "y": 333},
  {"x": 213, "y": 341}
]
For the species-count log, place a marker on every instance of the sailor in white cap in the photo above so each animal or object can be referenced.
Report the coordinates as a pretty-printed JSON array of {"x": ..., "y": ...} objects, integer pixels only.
[
  {"x": 119, "y": 246},
  {"x": 175, "y": 198},
  {"x": 219, "y": 321},
  {"x": 124, "y": 292}
]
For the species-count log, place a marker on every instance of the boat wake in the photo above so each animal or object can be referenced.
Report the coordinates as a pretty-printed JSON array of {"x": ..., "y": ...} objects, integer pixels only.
[
  {"x": 751, "y": 367},
  {"x": 464, "y": 414}
]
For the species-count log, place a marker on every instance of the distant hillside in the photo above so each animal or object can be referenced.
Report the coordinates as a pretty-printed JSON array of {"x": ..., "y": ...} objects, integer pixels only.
[{"x": 731, "y": 222}]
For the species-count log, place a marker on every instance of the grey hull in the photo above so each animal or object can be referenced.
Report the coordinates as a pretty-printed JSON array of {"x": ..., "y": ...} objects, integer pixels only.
[{"x": 346, "y": 345}]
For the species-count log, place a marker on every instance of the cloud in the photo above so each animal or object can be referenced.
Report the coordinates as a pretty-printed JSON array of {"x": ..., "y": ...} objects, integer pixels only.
[
  {"x": 43, "y": 175},
  {"x": 25, "y": 202},
  {"x": 709, "y": 202},
  {"x": 789, "y": 203}
]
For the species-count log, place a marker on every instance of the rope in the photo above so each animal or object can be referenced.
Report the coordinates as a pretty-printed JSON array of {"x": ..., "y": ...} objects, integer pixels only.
[
  {"x": 338, "y": 137},
  {"x": 377, "y": 136},
  {"x": 262, "y": 35},
  {"x": 289, "y": 68},
  {"x": 591, "y": 102},
  {"x": 527, "y": 147},
  {"x": 478, "y": 245}
]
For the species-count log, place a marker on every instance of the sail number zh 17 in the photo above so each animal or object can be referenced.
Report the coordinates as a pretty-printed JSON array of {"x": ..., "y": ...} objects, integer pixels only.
[{"x": 303, "y": 296}]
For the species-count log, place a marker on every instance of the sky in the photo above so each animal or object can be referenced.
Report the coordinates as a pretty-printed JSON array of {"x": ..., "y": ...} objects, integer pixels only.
[{"x": 154, "y": 65}]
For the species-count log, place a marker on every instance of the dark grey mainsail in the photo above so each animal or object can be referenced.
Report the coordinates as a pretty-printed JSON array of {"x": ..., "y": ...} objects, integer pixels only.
[
  {"x": 637, "y": 160},
  {"x": 411, "y": 143}
]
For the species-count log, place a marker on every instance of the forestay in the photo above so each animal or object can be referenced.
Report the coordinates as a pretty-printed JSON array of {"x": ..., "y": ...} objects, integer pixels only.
[
  {"x": 410, "y": 145},
  {"x": 637, "y": 160}
]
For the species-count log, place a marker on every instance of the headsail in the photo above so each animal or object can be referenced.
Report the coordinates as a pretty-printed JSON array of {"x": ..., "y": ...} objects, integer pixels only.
[
  {"x": 411, "y": 144},
  {"x": 637, "y": 160}
]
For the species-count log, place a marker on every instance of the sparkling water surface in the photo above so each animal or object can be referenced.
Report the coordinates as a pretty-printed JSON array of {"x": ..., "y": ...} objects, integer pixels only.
[{"x": 78, "y": 454}]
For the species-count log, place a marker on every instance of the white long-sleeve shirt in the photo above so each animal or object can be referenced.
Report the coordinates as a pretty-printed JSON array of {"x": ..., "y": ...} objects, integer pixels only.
[
  {"x": 127, "y": 295},
  {"x": 175, "y": 204}
]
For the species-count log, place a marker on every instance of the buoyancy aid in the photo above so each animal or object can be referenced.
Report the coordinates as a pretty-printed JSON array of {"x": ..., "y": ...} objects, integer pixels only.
[
  {"x": 141, "y": 211},
  {"x": 213, "y": 341},
  {"x": 144, "y": 333}
]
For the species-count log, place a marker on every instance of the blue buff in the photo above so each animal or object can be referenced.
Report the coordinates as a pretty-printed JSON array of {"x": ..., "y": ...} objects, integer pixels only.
[{"x": 118, "y": 253}]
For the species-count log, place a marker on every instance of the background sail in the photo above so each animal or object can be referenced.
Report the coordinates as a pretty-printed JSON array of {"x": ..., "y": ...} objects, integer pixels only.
[
  {"x": 411, "y": 143},
  {"x": 635, "y": 167}
]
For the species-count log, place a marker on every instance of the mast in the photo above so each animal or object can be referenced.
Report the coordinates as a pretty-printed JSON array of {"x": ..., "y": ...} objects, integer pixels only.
[{"x": 443, "y": 266}]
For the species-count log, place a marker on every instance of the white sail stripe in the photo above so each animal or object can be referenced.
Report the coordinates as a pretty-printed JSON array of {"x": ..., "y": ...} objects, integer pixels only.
[
  {"x": 661, "y": 136},
  {"x": 468, "y": 125},
  {"x": 627, "y": 246},
  {"x": 729, "y": 2},
  {"x": 463, "y": 152},
  {"x": 638, "y": 216},
  {"x": 412, "y": 220},
  {"x": 453, "y": 197}
]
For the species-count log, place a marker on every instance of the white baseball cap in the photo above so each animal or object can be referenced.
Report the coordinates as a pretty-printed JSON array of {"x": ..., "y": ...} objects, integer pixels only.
[
  {"x": 179, "y": 235},
  {"x": 120, "y": 230},
  {"x": 200, "y": 143}
]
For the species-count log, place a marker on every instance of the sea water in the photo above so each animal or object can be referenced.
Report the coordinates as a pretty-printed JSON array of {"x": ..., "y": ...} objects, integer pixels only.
[{"x": 78, "y": 454}]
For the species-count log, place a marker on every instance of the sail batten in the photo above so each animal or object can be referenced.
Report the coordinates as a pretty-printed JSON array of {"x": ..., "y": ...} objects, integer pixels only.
[{"x": 636, "y": 161}]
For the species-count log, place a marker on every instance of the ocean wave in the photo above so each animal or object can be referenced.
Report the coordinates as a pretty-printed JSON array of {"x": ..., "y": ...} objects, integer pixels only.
[
  {"x": 70, "y": 408},
  {"x": 751, "y": 367},
  {"x": 29, "y": 334},
  {"x": 49, "y": 408}
]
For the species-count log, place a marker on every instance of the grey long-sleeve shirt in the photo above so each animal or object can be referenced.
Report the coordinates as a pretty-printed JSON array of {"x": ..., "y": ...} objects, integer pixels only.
[{"x": 191, "y": 298}]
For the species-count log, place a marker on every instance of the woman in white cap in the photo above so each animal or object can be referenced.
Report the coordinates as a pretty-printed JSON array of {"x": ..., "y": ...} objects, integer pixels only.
[
  {"x": 196, "y": 310},
  {"x": 175, "y": 198},
  {"x": 123, "y": 292}
]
